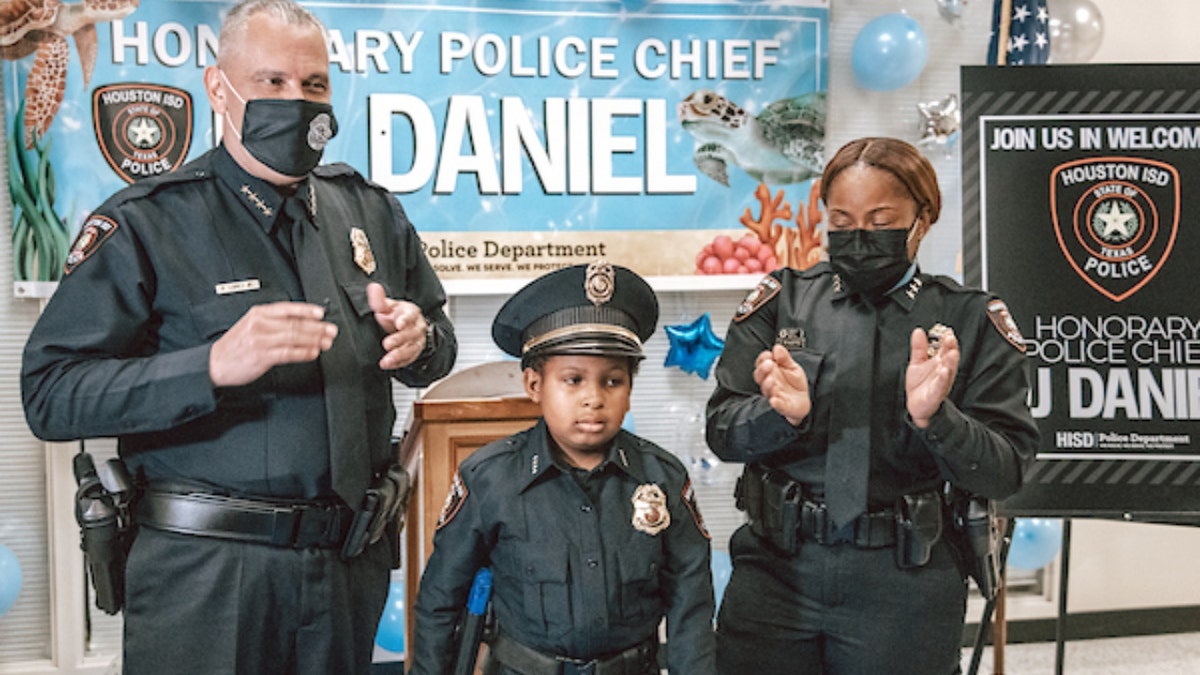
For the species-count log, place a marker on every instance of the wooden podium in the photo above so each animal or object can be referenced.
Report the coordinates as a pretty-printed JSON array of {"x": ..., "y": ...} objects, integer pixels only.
[{"x": 444, "y": 428}]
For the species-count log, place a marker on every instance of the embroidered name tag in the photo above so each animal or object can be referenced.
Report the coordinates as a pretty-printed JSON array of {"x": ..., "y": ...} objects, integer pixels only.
[{"x": 231, "y": 287}]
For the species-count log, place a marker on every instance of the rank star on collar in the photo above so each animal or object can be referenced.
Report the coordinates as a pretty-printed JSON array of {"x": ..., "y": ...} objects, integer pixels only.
[{"x": 257, "y": 201}]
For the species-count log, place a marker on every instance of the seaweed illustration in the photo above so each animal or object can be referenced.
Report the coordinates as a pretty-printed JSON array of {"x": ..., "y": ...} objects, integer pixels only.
[{"x": 39, "y": 238}]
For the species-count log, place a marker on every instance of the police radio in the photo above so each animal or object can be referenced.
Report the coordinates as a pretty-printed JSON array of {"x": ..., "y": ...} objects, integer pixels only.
[{"x": 102, "y": 511}]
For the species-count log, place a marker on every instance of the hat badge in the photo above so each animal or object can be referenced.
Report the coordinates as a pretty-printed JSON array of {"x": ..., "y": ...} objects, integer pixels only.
[{"x": 599, "y": 281}]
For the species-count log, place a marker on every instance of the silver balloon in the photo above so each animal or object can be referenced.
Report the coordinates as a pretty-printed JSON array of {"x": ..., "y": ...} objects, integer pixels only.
[
  {"x": 951, "y": 10},
  {"x": 940, "y": 122},
  {"x": 1076, "y": 30}
]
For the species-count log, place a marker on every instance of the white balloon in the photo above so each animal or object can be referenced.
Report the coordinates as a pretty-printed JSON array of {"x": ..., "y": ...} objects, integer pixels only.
[{"x": 1076, "y": 31}]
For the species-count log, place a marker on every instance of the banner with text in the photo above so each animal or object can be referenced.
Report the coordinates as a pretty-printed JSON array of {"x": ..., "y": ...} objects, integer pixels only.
[
  {"x": 1086, "y": 223},
  {"x": 520, "y": 136}
]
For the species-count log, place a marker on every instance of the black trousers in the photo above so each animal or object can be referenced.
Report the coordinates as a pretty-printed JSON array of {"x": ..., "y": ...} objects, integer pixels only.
[
  {"x": 839, "y": 610},
  {"x": 204, "y": 606}
]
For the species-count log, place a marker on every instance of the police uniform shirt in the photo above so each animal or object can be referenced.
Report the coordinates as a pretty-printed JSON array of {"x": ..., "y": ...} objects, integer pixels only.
[
  {"x": 161, "y": 270},
  {"x": 572, "y": 575},
  {"x": 981, "y": 439}
]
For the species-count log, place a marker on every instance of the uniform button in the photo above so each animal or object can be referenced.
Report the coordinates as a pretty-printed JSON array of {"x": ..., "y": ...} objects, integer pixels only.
[
  {"x": 586, "y": 508},
  {"x": 592, "y": 562}
]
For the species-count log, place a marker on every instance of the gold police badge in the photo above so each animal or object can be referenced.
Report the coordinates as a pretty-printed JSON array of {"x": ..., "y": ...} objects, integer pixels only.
[
  {"x": 363, "y": 256},
  {"x": 650, "y": 514}
]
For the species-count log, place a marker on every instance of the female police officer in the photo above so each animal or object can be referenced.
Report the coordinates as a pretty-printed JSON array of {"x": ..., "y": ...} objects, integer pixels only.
[{"x": 854, "y": 392}]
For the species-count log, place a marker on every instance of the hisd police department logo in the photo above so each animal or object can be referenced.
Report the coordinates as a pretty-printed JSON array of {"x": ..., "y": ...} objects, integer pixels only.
[
  {"x": 142, "y": 129},
  {"x": 1116, "y": 219}
]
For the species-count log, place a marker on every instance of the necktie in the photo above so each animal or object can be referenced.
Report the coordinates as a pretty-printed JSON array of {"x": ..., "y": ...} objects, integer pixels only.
[
  {"x": 848, "y": 462},
  {"x": 344, "y": 403}
]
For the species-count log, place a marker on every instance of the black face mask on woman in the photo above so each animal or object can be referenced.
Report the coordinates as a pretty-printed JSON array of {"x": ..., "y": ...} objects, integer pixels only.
[
  {"x": 869, "y": 262},
  {"x": 288, "y": 135}
]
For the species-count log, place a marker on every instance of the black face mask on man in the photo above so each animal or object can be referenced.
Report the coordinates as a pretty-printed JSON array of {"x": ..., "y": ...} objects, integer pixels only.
[
  {"x": 869, "y": 262},
  {"x": 287, "y": 135}
]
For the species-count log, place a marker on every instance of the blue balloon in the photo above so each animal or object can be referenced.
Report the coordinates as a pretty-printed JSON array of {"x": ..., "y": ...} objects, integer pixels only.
[
  {"x": 889, "y": 52},
  {"x": 1035, "y": 542},
  {"x": 390, "y": 634},
  {"x": 694, "y": 346},
  {"x": 722, "y": 569},
  {"x": 10, "y": 579}
]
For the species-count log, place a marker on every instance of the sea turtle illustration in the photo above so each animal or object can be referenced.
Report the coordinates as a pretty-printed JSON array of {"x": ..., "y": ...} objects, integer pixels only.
[
  {"x": 782, "y": 144},
  {"x": 42, "y": 26}
]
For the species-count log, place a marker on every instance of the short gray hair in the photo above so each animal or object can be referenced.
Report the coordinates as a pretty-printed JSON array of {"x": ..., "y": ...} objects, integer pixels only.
[{"x": 233, "y": 29}]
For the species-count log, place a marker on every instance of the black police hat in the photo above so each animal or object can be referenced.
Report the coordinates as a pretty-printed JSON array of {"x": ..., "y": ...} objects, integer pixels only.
[{"x": 597, "y": 309}]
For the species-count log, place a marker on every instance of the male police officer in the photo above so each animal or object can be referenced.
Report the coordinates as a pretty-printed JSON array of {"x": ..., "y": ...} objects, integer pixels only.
[{"x": 236, "y": 326}]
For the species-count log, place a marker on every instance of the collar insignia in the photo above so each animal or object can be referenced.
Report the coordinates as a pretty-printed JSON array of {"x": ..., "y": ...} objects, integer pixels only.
[
  {"x": 650, "y": 514},
  {"x": 363, "y": 256},
  {"x": 913, "y": 288},
  {"x": 257, "y": 201}
]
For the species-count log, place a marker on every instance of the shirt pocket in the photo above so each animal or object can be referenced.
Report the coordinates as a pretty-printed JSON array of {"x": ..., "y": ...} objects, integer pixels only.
[
  {"x": 370, "y": 335},
  {"x": 640, "y": 564},
  {"x": 547, "y": 590},
  {"x": 811, "y": 363},
  {"x": 214, "y": 316}
]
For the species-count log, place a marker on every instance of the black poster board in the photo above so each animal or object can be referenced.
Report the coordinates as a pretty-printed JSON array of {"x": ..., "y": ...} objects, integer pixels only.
[{"x": 1081, "y": 209}]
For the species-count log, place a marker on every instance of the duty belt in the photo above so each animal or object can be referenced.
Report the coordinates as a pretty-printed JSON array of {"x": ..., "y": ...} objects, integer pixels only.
[
  {"x": 633, "y": 661},
  {"x": 283, "y": 524},
  {"x": 784, "y": 512},
  {"x": 870, "y": 530}
]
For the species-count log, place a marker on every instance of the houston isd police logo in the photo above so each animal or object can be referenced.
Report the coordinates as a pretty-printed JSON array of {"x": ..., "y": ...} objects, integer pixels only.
[
  {"x": 1116, "y": 219},
  {"x": 142, "y": 129}
]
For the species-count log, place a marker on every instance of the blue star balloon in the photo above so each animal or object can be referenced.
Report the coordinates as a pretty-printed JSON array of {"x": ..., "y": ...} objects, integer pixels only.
[{"x": 694, "y": 347}]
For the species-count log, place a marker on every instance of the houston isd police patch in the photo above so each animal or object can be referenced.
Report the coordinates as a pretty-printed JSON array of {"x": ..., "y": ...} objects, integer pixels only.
[
  {"x": 1116, "y": 219},
  {"x": 142, "y": 129}
]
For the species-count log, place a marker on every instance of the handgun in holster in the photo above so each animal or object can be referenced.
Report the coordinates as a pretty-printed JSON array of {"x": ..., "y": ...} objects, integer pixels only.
[
  {"x": 382, "y": 509},
  {"x": 772, "y": 502},
  {"x": 918, "y": 528},
  {"x": 103, "y": 510},
  {"x": 979, "y": 534},
  {"x": 476, "y": 624}
]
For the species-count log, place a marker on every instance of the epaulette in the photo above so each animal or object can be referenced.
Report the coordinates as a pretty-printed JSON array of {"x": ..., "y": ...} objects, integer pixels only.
[
  {"x": 341, "y": 170},
  {"x": 997, "y": 311},
  {"x": 334, "y": 170},
  {"x": 951, "y": 284},
  {"x": 197, "y": 170},
  {"x": 818, "y": 270}
]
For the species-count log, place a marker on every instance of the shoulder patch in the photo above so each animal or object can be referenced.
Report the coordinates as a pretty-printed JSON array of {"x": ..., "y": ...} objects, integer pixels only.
[
  {"x": 94, "y": 232},
  {"x": 689, "y": 499},
  {"x": 766, "y": 289},
  {"x": 998, "y": 312},
  {"x": 454, "y": 501}
]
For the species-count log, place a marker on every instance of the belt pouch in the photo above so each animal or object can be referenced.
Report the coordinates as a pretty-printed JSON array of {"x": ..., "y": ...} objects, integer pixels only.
[
  {"x": 918, "y": 528},
  {"x": 781, "y": 511}
]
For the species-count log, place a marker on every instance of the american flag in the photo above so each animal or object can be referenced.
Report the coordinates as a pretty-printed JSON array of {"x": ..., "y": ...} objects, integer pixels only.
[{"x": 1020, "y": 33}]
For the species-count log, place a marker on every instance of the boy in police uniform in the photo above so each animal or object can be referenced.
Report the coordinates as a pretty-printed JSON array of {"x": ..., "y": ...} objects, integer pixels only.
[{"x": 592, "y": 533}]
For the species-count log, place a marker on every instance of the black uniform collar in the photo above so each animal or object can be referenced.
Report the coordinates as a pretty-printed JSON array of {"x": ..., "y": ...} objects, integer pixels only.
[
  {"x": 904, "y": 294},
  {"x": 262, "y": 200},
  {"x": 539, "y": 461}
]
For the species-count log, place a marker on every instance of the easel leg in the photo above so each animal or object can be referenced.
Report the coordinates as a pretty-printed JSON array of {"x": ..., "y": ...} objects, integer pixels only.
[
  {"x": 1000, "y": 634},
  {"x": 1060, "y": 632}
]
